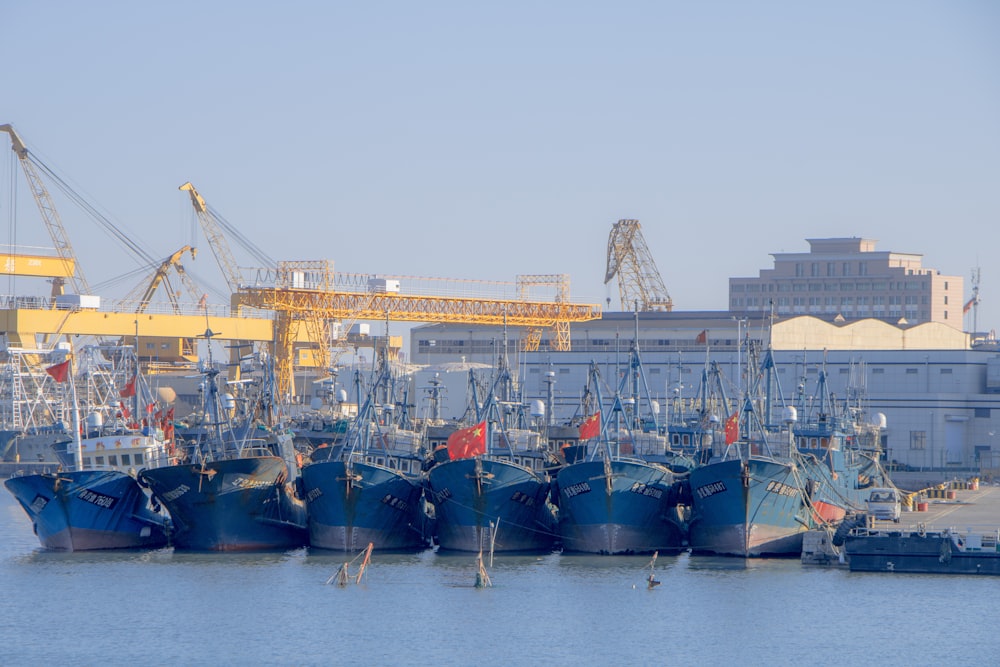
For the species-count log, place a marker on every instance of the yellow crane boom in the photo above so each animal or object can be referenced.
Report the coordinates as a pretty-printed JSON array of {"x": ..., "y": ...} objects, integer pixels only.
[
  {"x": 216, "y": 240},
  {"x": 49, "y": 214},
  {"x": 160, "y": 277}
]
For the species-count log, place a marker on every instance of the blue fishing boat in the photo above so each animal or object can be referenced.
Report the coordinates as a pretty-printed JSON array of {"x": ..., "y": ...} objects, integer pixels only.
[
  {"x": 493, "y": 494},
  {"x": 96, "y": 502},
  {"x": 621, "y": 497},
  {"x": 370, "y": 490},
  {"x": 89, "y": 509},
  {"x": 234, "y": 490},
  {"x": 840, "y": 452},
  {"x": 750, "y": 506},
  {"x": 749, "y": 498}
]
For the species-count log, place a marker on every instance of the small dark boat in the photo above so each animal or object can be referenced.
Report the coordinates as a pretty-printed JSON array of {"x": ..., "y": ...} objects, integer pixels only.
[{"x": 932, "y": 552}]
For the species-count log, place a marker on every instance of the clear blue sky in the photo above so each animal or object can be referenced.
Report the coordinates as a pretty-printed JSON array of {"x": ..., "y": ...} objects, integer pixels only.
[{"x": 485, "y": 140}]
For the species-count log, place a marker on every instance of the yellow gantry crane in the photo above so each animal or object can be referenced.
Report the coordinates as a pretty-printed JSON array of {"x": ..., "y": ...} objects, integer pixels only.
[{"x": 303, "y": 292}]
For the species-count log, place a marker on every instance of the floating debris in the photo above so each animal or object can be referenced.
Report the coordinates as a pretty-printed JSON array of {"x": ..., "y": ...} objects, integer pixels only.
[
  {"x": 652, "y": 582},
  {"x": 482, "y": 576},
  {"x": 343, "y": 575}
]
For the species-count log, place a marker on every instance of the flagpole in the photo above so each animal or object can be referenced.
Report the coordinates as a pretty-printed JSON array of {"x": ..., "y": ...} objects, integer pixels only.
[{"x": 76, "y": 418}]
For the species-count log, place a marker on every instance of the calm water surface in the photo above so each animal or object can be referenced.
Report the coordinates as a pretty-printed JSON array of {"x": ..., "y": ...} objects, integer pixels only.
[{"x": 166, "y": 608}]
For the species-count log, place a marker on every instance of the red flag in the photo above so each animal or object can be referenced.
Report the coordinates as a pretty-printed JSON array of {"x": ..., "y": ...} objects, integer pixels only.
[
  {"x": 467, "y": 442},
  {"x": 59, "y": 372},
  {"x": 732, "y": 428},
  {"x": 591, "y": 427},
  {"x": 128, "y": 389},
  {"x": 702, "y": 338}
]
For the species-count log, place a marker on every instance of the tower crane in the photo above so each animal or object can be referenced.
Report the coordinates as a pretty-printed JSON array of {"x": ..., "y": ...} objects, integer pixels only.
[
  {"x": 639, "y": 281},
  {"x": 50, "y": 216}
]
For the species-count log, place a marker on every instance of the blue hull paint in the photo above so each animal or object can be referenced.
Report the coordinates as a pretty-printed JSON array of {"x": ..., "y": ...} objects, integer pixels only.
[
  {"x": 88, "y": 510},
  {"x": 747, "y": 509},
  {"x": 348, "y": 509},
  {"x": 241, "y": 504},
  {"x": 629, "y": 516},
  {"x": 470, "y": 494}
]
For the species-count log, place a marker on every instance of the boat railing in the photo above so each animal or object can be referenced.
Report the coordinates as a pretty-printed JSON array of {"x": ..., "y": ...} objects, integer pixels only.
[
  {"x": 255, "y": 448},
  {"x": 971, "y": 538}
]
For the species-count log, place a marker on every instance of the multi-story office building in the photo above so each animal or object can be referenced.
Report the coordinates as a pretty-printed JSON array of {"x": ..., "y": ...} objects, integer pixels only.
[{"x": 849, "y": 278}]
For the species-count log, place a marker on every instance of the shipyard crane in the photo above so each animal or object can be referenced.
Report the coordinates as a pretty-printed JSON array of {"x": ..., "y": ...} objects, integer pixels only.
[
  {"x": 639, "y": 281},
  {"x": 51, "y": 218},
  {"x": 161, "y": 276},
  {"x": 213, "y": 224},
  {"x": 303, "y": 292},
  {"x": 533, "y": 337},
  {"x": 216, "y": 241}
]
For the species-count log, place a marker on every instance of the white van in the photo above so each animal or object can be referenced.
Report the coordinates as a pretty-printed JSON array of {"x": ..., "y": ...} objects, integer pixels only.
[{"x": 884, "y": 503}]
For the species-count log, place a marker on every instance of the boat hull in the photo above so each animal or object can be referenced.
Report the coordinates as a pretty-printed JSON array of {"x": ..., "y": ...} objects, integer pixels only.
[
  {"x": 368, "y": 504},
  {"x": 748, "y": 509},
  {"x": 838, "y": 482},
  {"x": 471, "y": 494},
  {"x": 89, "y": 510},
  {"x": 618, "y": 508},
  {"x": 931, "y": 553},
  {"x": 240, "y": 504}
]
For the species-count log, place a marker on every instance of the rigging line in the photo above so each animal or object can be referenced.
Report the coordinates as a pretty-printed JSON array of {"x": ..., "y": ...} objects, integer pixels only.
[
  {"x": 103, "y": 220},
  {"x": 252, "y": 248}
]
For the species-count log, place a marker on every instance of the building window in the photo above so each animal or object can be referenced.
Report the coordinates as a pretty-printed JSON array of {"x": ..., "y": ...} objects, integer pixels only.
[
  {"x": 847, "y": 268},
  {"x": 814, "y": 270},
  {"x": 878, "y": 371},
  {"x": 946, "y": 371},
  {"x": 862, "y": 269},
  {"x": 918, "y": 440},
  {"x": 799, "y": 272},
  {"x": 831, "y": 269}
]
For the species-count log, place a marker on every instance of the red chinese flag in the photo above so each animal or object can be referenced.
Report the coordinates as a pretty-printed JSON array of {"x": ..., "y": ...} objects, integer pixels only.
[
  {"x": 591, "y": 427},
  {"x": 128, "y": 389},
  {"x": 467, "y": 442},
  {"x": 733, "y": 428},
  {"x": 702, "y": 338},
  {"x": 59, "y": 372}
]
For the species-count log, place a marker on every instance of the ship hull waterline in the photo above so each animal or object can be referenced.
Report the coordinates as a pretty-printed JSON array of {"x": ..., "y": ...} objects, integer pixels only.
[
  {"x": 243, "y": 504},
  {"x": 484, "y": 504},
  {"x": 747, "y": 508},
  {"x": 618, "y": 507},
  {"x": 89, "y": 510},
  {"x": 350, "y": 507}
]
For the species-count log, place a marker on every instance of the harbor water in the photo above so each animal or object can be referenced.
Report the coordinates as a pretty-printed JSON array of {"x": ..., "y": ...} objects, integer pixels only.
[{"x": 165, "y": 608}]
